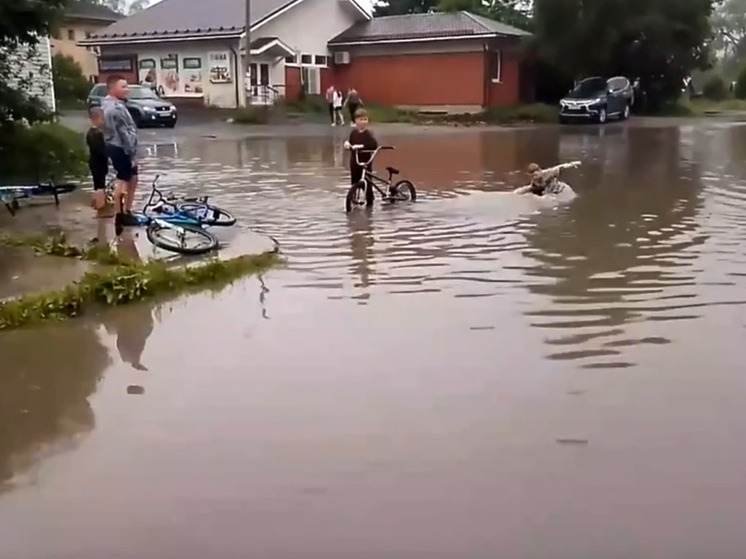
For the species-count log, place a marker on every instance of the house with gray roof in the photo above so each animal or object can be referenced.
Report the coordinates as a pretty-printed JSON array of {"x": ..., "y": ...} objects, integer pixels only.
[
  {"x": 458, "y": 61},
  {"x": 81, "y": 19},
  {"x": 193, "y": 49}
]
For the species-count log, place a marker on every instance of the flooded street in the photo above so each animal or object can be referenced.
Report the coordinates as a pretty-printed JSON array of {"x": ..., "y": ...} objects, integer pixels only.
[{"x": 471, "y": 376}]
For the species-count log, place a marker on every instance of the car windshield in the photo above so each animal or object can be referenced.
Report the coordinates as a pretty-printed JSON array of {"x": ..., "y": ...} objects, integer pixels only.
[
  {"x": 139, "y": 92},
  {"x": 98, "y": 91},
  {"x": 588, "y": 88}
]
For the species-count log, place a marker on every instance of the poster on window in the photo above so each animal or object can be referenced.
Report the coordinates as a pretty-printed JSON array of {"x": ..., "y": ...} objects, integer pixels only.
[
  {"x": 169, "y": 81},
  {"x": 218, "y": 64},
  {"x": 192, "y": 76},
  {"x": 147, "y": 74}
]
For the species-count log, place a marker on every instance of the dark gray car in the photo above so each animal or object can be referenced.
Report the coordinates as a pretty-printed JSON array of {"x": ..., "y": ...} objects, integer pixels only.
[
  {"x": 597, "y": 100},
  {"x": 146, "y": 108}
]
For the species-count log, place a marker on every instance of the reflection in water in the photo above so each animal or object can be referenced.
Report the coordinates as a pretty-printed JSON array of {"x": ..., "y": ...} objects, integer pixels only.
[
  {"x": 45, "y": 381},
  {"x": 499, "y": 305},
  {"x": 619, "y": 252}
]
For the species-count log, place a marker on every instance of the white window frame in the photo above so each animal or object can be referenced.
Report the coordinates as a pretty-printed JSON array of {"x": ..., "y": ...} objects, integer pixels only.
[
  {"x": 498, "y": 54},
  {"x": 317, "y": 70}
]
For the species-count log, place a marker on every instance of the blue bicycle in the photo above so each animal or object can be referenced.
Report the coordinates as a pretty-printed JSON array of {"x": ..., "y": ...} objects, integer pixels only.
[
  {"x": 10, "y": 195},
  {"x": 172, "y": 228}
]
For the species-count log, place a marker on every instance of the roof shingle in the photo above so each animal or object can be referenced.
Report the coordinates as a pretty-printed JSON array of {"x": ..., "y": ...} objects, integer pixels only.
[
  {"x": 424, "y": 26},
  {"x": 181, "y": 16}
]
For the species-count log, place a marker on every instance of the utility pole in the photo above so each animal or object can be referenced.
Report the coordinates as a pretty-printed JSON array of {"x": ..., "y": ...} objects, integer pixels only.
[{"x": 247, "y": 56}]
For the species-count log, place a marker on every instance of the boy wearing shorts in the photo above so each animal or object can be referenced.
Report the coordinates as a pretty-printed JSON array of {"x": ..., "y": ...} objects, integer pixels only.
[{"x": 98, "y": 161}]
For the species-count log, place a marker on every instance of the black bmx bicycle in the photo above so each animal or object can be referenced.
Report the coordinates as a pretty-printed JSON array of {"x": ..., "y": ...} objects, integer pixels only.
[{"x": 362, "y": 193}]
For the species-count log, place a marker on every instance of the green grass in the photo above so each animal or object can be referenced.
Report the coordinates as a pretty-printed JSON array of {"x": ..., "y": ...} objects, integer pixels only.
[
  {"x": 115, "y": 281},
  {"x": 703, "y": 107}
]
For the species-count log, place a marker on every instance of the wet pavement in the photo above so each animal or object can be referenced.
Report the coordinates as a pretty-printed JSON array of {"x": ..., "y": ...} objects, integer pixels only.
[{"x": 473, "y": 375}]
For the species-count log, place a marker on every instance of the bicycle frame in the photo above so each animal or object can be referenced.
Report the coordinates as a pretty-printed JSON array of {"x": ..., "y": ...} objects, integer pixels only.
[
  {"x": 173, "y": 218},
  {"x": 368, "y": 177}
]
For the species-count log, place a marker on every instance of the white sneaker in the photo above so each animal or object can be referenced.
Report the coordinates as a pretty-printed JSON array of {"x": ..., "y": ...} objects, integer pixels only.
[{"x": 334, "y": 123}]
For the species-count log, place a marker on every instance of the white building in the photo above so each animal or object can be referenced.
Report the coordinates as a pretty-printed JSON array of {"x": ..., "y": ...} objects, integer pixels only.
[{"x": 33, "y": 71}]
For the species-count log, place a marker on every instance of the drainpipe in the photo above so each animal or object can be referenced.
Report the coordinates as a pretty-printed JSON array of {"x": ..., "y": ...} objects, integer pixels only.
[
  {"x": 485, "y": 76},
  {"x": 247, "y": 56},
  {"x": 236, "y": 56}
]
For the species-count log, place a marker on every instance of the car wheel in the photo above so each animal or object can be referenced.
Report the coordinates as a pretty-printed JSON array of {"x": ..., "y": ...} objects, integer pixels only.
[
  {"x": 625, "y": 112},
  {"x": 170, "y": 124},
  {"x": 601, "y": 118}
]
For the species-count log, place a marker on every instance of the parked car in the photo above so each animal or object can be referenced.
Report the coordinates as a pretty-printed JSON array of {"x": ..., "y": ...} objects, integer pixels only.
[
  {"x": 597, "y": 99},
  {"x": 146, "y": 108}
]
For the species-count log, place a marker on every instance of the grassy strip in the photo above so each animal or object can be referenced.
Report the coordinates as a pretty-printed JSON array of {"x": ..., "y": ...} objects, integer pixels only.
[
  {"x": 118, "y": 282},
  {"x": 703, "y": 107},
  {"x": 316, "y": 107}
]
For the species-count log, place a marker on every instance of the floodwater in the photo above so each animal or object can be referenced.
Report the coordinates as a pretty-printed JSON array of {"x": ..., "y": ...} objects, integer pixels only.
[{"x": 471, "y": 376}]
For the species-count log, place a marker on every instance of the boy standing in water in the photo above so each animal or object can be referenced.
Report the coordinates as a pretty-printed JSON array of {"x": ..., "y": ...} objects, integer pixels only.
[
  {"x": 98, "y": 161},
  {"x": 360, "y": 135}
]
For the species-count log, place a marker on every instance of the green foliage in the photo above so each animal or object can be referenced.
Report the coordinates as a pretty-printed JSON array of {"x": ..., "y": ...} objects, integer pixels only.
[
  {"x": 659, "y": 41},
  {"x": 70, "y": 84},
  {"x": 740, "y": 90},
  {"x": 252, "y": 115},
  {"x": 118, "y": 283},
  {"x": 312, "y": 104},
  {"x": 400, "y": 7},
  {"x": 715, "y": 88},
  {"x": 40, "y": 152}
]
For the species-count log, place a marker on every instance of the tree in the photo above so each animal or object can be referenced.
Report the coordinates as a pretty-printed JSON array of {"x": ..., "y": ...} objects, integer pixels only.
[
  {"x": 127, "y": 7},
  {"x": 729, "y": 25},
  {"x": 69, "y": 82},
  {"x": 27, "y": 144},
  {"x": 659, "y": 41},
  {"x": 401, "y": 7}
]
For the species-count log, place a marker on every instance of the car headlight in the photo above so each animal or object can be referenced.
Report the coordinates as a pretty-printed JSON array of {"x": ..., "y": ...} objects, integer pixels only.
[
  {"x": 148, "y": 109},
  {"x": 598, "y": 100}
]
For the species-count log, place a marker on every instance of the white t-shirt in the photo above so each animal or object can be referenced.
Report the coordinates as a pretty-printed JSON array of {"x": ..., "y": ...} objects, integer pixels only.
[{"x": 337, "y": 101}]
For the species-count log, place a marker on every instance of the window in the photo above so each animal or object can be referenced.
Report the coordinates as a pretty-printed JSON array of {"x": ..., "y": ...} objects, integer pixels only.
[
  {"x": 311, "y": 80},
  {"x": 291, "y": 59},
  {"x": 99, "y": 91},
  {"x": 147, "y": 64},
  {"x": 170, "y": 62},
  {"x": 71, "y": 34},
  {"x": 115, "y": 64},
  {"x": 306, "y": 59},
  {"x": 193, "y": 63},
  {"x": 496, "y": 66},
  {"x": 321, "y": 60},
  {"x": 618, "y": 84}
]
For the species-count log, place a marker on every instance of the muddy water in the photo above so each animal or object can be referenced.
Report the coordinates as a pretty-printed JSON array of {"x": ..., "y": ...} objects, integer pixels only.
[{"x": 471, "y": 376}]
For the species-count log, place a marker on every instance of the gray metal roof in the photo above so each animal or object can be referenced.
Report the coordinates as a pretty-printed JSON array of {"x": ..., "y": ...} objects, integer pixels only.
[
  {"x": 177, "y": 17},
  {"x": 424, "y": 26},
  {"x": 81, "y": 9}
]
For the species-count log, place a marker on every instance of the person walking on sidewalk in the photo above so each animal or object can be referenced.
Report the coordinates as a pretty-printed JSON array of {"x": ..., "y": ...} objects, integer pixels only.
[
  {"x": 338, "y": 113},
  {"x": 330, "y": 101},
  {"x": 353, "y": 103}
]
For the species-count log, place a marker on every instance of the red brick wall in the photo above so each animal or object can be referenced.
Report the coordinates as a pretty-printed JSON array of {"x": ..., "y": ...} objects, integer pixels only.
[
  {"x": 508, "y": 91},
  {"x": 416, "y": 79}
]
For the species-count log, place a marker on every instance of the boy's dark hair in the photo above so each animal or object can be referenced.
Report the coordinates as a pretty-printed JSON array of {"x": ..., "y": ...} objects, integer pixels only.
[
  {"x": 361, "y": 113},
  {"x": 112, "y": 80}
]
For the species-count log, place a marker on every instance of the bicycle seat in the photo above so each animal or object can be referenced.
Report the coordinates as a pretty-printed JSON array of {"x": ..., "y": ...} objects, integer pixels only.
[{"x": 392, "y": 170}]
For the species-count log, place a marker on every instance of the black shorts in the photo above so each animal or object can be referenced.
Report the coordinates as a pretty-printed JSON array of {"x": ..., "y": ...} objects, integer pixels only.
[
  {"x": 121, "y": 161},
  {"x": 356, "y": 173}
]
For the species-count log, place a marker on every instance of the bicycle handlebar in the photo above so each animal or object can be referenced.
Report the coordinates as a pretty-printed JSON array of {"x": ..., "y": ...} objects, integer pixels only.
[{"x": 358, "y": 149}]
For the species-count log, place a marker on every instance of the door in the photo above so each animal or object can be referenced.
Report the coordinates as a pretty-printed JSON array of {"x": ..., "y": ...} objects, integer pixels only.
[
  {"x": 260, "y": 82},
  {"x": 617, "y": 99}
]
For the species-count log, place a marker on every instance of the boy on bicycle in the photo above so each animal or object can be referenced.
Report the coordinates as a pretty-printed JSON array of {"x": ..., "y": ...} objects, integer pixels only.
[{"x": 360, "y": 135}]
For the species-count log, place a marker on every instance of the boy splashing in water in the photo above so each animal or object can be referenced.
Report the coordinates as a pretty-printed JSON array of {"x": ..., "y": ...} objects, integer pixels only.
[{"x": 545, "y": 181}]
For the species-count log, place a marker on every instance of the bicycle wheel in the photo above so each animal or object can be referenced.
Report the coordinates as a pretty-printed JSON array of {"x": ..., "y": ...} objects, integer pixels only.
[
  {"x": 183, "y": 239},
  {"x": 404, "y": 191},
  {"x": 357, "y": 197},
  {"x": 207, "y": 214}
]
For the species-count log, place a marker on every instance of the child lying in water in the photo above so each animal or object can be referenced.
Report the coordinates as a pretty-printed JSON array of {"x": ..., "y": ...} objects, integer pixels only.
[{"x": 544, "y": 181}]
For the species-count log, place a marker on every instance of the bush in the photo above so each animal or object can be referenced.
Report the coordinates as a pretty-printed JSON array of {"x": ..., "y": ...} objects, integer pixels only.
[
  {"x": 252, "y": 115},
  {"x": 740, "y": 91},
  {"x": 40, "y": 152},
  {"x": 69, "y": 82},
  {"x": 715, "y": 88},
  {"x": 315, "y": 104}
]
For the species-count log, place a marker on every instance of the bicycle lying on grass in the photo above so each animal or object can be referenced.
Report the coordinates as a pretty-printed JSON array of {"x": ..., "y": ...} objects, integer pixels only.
[
  {"x": 362, "y": 193},
  {"x": 10, "y": 195},
  {"x": 178, "y": 225}
]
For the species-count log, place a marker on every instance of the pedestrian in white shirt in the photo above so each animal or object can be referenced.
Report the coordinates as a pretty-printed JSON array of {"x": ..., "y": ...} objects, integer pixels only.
[{"x": 338, "y": 102}]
